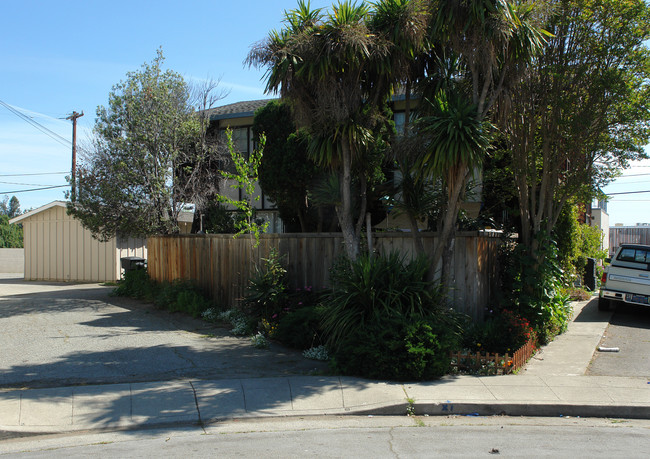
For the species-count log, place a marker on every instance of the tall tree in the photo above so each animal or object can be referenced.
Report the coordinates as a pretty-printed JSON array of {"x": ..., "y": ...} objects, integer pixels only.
[
  {"x": 581, "y": 113},
  {"x": 455, "y": 142},
  {"x": 334, "y": 70},
  {"x": 150, "y": 156},
  {"x": 11, "y": 236},
  {"x": 286, "y": 171},
  {"x": 10, "y": 207},
  {"x": 481, "y": 47},
  {"x": 14, "y": 207},
  {"x": 404, "y": 24}
]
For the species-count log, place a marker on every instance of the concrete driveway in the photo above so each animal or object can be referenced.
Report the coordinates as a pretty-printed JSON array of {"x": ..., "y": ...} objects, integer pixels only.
[{"x": 56, "y": 334}]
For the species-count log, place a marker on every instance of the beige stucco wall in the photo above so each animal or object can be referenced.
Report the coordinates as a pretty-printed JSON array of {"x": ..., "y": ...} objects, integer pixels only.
[
  {"x": 59, "y": 248},
  {"x": 12, "y": 260}
]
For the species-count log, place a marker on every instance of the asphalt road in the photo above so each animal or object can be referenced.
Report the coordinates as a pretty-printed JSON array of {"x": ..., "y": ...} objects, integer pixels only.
[
  {"x": 57, "y": 334},
  {"x": 358, "y": 437},
  {"x": 628, "y": 330}
]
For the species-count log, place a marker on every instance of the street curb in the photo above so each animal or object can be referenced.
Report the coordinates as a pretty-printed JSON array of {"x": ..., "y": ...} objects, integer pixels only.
[
  {"x": 397, "y": 409},
  {"x": 533, "y": 410}
]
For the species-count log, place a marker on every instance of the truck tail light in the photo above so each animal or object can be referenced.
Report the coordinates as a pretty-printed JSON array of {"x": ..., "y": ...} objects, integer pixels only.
[{"x": 604, "y": 278}]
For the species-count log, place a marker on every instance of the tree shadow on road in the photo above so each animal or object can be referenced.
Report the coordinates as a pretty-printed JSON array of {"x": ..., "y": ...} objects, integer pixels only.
[{"x": 82, "y": 335}]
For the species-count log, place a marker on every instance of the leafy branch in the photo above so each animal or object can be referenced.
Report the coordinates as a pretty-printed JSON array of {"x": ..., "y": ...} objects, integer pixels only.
[{"x": 245, "y": 178}]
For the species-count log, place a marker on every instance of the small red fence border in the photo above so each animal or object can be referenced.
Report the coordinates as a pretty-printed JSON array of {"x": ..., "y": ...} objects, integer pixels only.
[{"x": 491, "y": 364}]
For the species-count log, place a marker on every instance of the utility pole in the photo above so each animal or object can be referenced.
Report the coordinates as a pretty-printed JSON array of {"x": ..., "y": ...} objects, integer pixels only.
[{"x": 74, "y": 117}]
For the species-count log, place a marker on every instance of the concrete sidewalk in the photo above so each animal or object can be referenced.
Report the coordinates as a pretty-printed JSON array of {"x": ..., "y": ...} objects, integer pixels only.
[{"x": 553, "y": 384}]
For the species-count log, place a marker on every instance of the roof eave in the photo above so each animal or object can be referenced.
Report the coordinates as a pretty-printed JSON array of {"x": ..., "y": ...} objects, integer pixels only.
[{"x": 19, "y": 218}]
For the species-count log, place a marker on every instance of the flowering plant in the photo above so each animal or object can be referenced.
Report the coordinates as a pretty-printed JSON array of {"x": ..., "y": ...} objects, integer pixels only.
[
  {"x": 504, "y": 332},
  {"x": 518, "y": 327},
  {"x": 316, "y": 353},
  {"x": 269, "y": 328},
  {"x": 259, "y": 341}
]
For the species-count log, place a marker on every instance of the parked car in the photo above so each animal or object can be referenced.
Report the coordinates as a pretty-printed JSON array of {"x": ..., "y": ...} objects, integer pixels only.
[{"x": 627, "y": 278}]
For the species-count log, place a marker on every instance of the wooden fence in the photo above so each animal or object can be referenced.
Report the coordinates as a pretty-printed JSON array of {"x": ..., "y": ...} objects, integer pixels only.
[{"x": 221, "y": 265}]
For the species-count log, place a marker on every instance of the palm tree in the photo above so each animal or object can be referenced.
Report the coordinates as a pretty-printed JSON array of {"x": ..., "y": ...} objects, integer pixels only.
[
  {"x": 335, "y": 71},
  {"x": 413, "y": 196},
  {"x": 456, "y": 141},
  {"x": 483, "y": 44},
  {"x": 404, "y": 24}
]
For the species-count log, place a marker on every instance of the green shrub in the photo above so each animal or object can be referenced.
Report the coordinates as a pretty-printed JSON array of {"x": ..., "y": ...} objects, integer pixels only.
[
  {"x": 383, "y": 319},
  {"x": 535, "y": 289},
  {"x": 316, "y": 353},
  {"x": 267, "y": 288},
  {"x": 182, "y": 296},
  {"x": 192, "y": 302},
  {"x": 301, "y": 329},
  {"x": 179, "y": 296},
  {"x": 376, "y": 288},
  {"x": 269, "y": 301},
  {"x": 136, "y": 284},
  {"x": 503, "y": 333},
  {"x": 11, "y": 236},
  {"x": 167, "y": 293},
  {"x": 397, "y": 348},
  {"x": 241, "y": 324},
  {"x": 576, "y": 242},
  {"x": 259, "y": 341}
]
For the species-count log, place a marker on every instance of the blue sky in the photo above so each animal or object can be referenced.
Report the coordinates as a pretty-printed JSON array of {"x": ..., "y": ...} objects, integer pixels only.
[{"x": 63, "y": 56}]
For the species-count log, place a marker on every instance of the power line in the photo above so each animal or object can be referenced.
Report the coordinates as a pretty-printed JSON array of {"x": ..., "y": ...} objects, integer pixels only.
[
  {"x": 33, "y": 189},
  {"x": 37, "y": 125},
  {"x": 628, "y": 192},
  {"x": 23, "y": 184},
  {"x": 42, "y": 173},
  {"x": 628, "y": 183},
  {"x": 632, "y": 175}
]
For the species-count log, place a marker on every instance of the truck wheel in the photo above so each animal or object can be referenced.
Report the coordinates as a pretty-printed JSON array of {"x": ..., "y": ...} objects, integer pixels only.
[{"x": 603, "y": 304}]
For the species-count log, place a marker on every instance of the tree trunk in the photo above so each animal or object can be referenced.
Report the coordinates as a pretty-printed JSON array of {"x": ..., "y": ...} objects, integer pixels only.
[
  {"x": 417, "y": 237},
  {"x": 344, "y": 210},
  {"x": 369, "y": 232},
  {"x": 407, "y": 107},
  {"x": 443, "y": 252}
]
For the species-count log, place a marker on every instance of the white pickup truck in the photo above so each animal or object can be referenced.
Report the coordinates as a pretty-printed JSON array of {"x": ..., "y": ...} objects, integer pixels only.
[{"x": 627, "y": 278}]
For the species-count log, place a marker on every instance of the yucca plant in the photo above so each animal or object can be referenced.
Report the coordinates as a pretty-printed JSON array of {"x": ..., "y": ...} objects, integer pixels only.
[{"x": 376, "y": 288}]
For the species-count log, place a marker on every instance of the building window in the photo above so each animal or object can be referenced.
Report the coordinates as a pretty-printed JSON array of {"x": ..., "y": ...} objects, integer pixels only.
[
  {"x": 244, "y": 143},
  {"x": 241, "y": 140}
]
